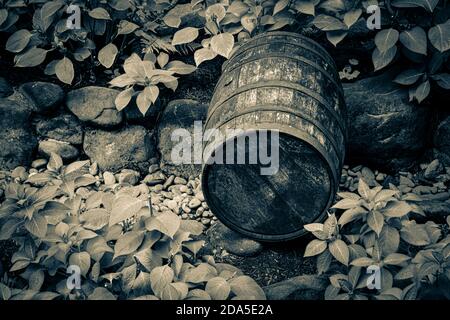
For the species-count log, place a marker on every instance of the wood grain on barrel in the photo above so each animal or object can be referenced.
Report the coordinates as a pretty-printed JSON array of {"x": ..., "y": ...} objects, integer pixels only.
[{"x": 286, "y": 82}]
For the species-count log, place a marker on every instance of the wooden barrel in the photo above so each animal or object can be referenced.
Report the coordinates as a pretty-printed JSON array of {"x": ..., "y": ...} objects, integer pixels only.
[{"x": 276, "y": 81}]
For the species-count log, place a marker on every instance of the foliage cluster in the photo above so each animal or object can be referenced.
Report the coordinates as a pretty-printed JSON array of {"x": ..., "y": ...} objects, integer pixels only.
[
  {"x": 377, "y": 229},
  {"x": 121, "y": 248}
]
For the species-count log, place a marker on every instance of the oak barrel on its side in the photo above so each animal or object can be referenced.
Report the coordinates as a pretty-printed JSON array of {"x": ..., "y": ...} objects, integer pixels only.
[{"x": 277, "y": 81}]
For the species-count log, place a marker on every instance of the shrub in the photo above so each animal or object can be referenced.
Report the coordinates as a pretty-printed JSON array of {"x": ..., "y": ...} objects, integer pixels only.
[
  {"x": 121, "y": 249},
  {"x": 376, "y": 230}
]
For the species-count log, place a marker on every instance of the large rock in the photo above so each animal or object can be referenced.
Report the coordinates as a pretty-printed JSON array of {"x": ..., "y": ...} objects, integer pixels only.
[
  {"x": 44, "y": 97},
  {"x": 385, "y": 129},
  {"x": 65, "y": 128},
  {"x": 17, "y": 139},
  {"x": 130, "y": 147},
  {"x": 441, "y": 142},
  {"x": 134, "y": 116},
  {"x": 95, "y": 105},
  {"x": 179, "y": 114},
  {"x": 222, "y": 237},
  {"x": 5, "y": 88}
]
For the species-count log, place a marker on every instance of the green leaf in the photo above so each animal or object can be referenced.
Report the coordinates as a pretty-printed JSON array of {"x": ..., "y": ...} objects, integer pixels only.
[
  {"x": 124, "y": 98},
  {"x": 218, "y": 288},
  {"x": 375, "y": 220},
  {"x": 203, "y": 54},
  {"x": 37, "y": 225},
  {"x": 386, "y": 39},
  {"x": 339, "y": 250},
  {"x": 172, "y": 20},
  {"x": 323, "y": 262},
  {"x": 363, "y": 262},
  {"x": 82, "y": 260},
  {"x": 305, "y": 7},
  {"x": 99, "y": 14},
  {"x": 5, "y": 292},
  {"x": 336, "y": 36},
  {"x": 247, "y": 287},
  {"x": 382, "y": 59},
  {"x": 101, "y": 293},
  {"x": 124, "y": 207},
  {"x": 328, "y": 23},
  {"x": 428, "y": 5},
  {"x": 107, "y": 55},
  {"x": 223, "y": 44},
  {"x": 18, "y": 41},
  {"x": 415, "y": 234},
  {"x": 9, "y": 227},
  {"x": 31, "y": 58},
  {"x": 126, "y": 27},
  {"x": 280, "y": 6},
  {"x": 3, "y": 18},
  {"x": 396, "y": 209},
  {"x": 351, "y": 215},
  {"x": 167, "y": 223},
  {"x": 95, "y": 219},
  {"x": 128, "y": 243},
  {"x": 439, "y": 36},
  {"x": 420, "y": 92},
  {"x": 202, "y": 273},
  {"x": 363, "y": 188},
  {"x": 351, "y": 17},
  {"x": 315, "y": 247},
  {"x": 36, "y": 280},
  {"x": 389, "y": 240},
  {"x": 346, "y": 203},
  {"x": 408, "y": 77},
  {"x": 160, "y": 277},
  {"x": 64, "y": 70},
  {"x": 216, "y": 12},
  {"x": 180, "y": 67},
  {"x": 415, "y": 40},
  {"x": 396, "y": 259},
  {"x": 186, "y": 35},
  {"x": 442, "y": 79}
]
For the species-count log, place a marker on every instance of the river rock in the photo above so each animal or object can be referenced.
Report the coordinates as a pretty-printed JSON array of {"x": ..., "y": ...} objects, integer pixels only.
[
  {"x": 179, "y": 115},
  {"x": 385, "y": 129},
  {"x": 65, "y": 127},
  {"x": 17, "y": 139},
  {"x": 45, "y": 97},
  {"x": 5, "y": 88},
  {"x": 441, "y": 142},
  {"x": 231, "y": 241},
  {"x": 131, "y": 147},
  {"x": 95, "y": 105},
  {"x": 65, "y": 150}
]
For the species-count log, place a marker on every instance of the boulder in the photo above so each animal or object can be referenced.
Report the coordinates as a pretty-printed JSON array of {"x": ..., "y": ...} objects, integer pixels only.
[
  {"x": 130, "y": 147},
  {"x": 17, "y": 139},
  {"x": 134, "y": 116},
  {"x": 65, "y": 150},
  {"x": 304, "y": 287},
  {"x": 65, "y": 127},
  {"x": 95, "y": 105},
  {"x": 385, "y": 130},
  {"x": 44, "y": 97},
  {"x": 5, "y": 88},
  {"x": 441, "y": 142},
  {"x": 179, "y": 114},
  {"x": 221, "y": 236}
]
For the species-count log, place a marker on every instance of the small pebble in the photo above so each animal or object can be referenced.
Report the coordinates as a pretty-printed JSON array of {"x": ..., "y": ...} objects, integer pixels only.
[
  {"x": 205, "y": 221},
  {"x": 172, "y": 204},
  {"x": 406, "y": 182},
  {"x": 153, "y": 168},
  {"x": 93, "y": 169},
  {"x": 194, "y": 203},
  {"x": 39, "y": 163},
  {"x": 179, "y": 180},
  {"x": 433, "y": 169},
  {"x": 169, "y": 182},
  {"x": 109, "y": 178}
]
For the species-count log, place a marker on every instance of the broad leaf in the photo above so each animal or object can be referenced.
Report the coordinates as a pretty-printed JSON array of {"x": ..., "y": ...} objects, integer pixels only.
[
  {"x": 415, "y": 40},
  {"x": 124, "y": 207},
  {"x": 82, "y": 260},
  {"x": 18, "y": 41},
  {"x": 339, "y": 250},
  {"x": 128, "y": 243},
  {"x": 439, "y": 36},
  {"x": 328, "y": 23},
  {"x": 315, "y": 247},
  {"x": 107, "y": 55},
  {"x": 31, "y": 58},
  {"x": 186, "y": 35},
  {"x": 64, "y": 70},
  {"x": 386, "y": 39},
  {"x": 218, "y": 288},
  {"x": 223, "y": 44},
  {"x": 382, "y": 59},
  {"x": 203, "y": 54}
]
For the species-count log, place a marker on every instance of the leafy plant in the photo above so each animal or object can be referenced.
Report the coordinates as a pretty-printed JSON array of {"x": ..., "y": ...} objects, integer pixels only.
[
  {"x": 101, "y": 24},
  {"x": 141, "y": 79},
  {"x": 120, "y": 248},
  {"x": 375, "y": 229}
]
